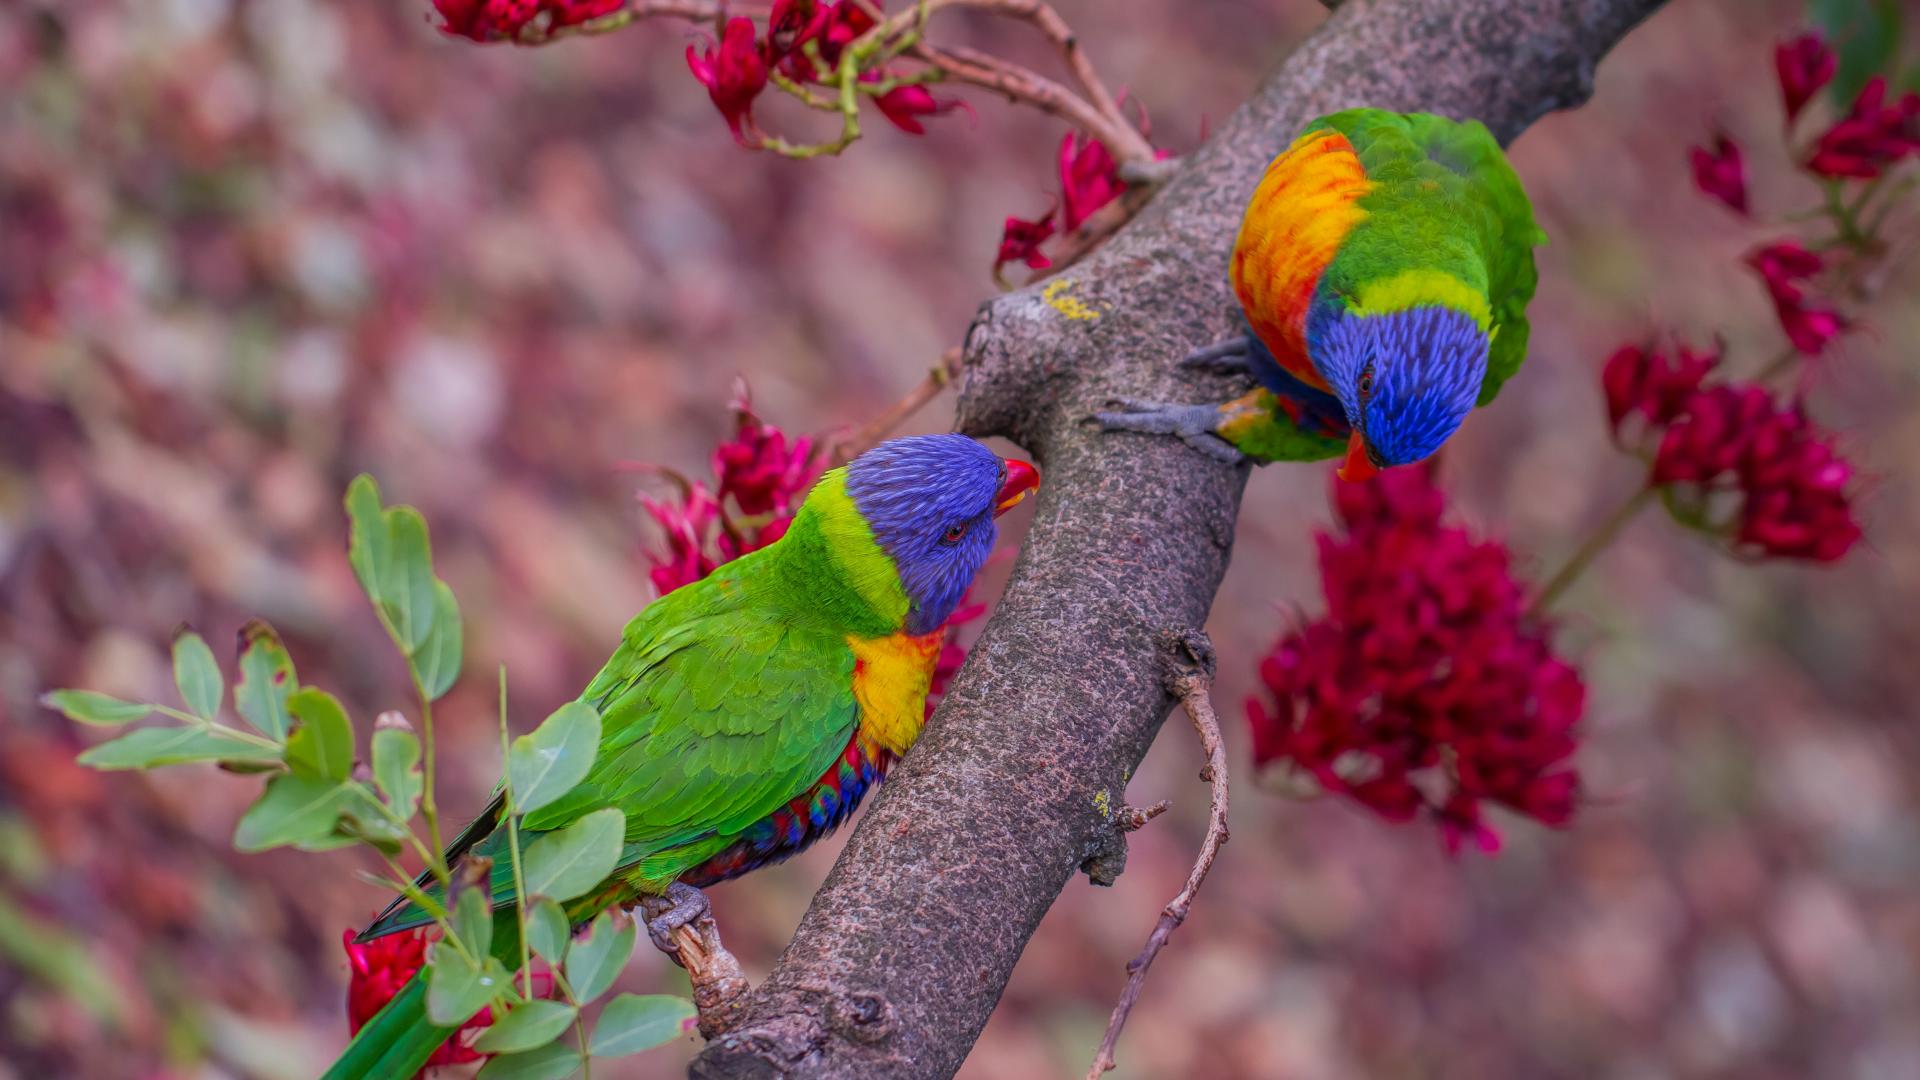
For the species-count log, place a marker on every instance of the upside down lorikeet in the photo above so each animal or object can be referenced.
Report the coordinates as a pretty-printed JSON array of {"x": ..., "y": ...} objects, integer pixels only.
[{"x": 1384, "y": 266}]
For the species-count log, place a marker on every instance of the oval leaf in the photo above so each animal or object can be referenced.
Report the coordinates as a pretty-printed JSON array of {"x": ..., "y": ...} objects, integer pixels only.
[
  {"x": 266, "y": 680},
  {"x": 595, "y": 961},
  {"x": 531, "y": 1024},
  {"x": 367, "y": 545},
  {"x": 407, "y": 583},
  {"x": 473, "y": 919},
  {"x": 456, "y": 989},
  {"x": 396, "y": 768},
  {"x": 437, "y": 662},
  {"x": 547, "y": 763},
  {"x": 322, "y": 746},
  {"x": 150, "y": 747},
  {"x": 197, "y": 674},
  {"x": 634, "y": 1022},
  {"x": 571, "y": 861},
  {"x": 294, "y": 810},
  {"x": 554, "y": 1061},
  {"x": 548, "y": 931},
  {"x": 98, "y": 709}
]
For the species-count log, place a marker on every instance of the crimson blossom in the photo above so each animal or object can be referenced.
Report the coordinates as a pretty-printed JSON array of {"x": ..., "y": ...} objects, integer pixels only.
[
  {"x": 379, "y": 968},
  {"x": 1428, "y": 688},
  {"x": 503, "y": 20}
]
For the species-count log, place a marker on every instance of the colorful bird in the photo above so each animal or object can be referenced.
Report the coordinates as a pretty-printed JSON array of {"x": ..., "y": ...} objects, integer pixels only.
[
  {"x": 1384, "y": 266},
  {"x": 744, "y": 715}
]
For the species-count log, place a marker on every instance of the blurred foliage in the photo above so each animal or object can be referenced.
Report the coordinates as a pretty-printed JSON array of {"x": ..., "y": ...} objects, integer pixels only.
[{"x": 254, "y": 247}]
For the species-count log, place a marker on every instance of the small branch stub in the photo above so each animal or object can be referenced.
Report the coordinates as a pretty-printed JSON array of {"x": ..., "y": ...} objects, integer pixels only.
[{"x": 720, "y": 987}]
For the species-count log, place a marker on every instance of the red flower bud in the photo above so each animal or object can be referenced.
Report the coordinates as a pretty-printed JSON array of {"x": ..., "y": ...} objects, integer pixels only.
[
  {"x": 1804, "y": 65},
  {"x": 1020, "y": 241},
  {"x": 734, "y": 75},
  {"x": 1720, "y": 173}
]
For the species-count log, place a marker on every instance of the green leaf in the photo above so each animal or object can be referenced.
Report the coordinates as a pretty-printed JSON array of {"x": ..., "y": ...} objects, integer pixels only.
[
  {"x": 367, "y": 543},
  {"x": 554, "y": 1061},
  {"x": 294, "y": 810},
  {"x": 595, "y": 960},
  {"x": 197, "y": 674},
  {"x": 473, "y": 919},
  {"x": 1866, "y": 39},
  {"x": 437, "y": 662},
  {"x": 634, "y": 1022},
  {"x": 571, "y": 861},
  {"x": 98, "y": 709},
  {"x": 322, "y": 746},
  {"x": 266, "y": 680},
  {"x": 549, "y": 762},
  {"x": 149, "y": 747},
  {"x": 396, "y": 768},
  {"x": 548, "y": 931},
  {"x": 406, "y": 582},
  {"x": 457, "y": 988},
  {"x": 365, "y": 821},
  {"x": 531, "y": 1024}
]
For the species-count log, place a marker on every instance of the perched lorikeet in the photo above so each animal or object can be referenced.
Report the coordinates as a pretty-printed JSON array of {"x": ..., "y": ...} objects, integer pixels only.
[
  {"x": 1384, "y": 266},
  {"x": 744, "y": 715}
]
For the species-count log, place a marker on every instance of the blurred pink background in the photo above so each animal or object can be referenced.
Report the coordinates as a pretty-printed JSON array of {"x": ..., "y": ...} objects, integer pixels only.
[{"x": 249, "y": 248}]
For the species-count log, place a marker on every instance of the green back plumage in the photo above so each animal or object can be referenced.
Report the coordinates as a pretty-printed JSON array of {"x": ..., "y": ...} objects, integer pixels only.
[
  {"x": 1445, "y": 199},
  {"x": 727, "y": 697}
]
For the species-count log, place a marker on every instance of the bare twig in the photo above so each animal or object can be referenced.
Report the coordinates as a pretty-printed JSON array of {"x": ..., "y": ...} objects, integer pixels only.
[
  {"x": 1016, "y": 83},
  {"x": 1135, "y": 818},
  {"x": 938, "y": 378},
  {"x": 1191, "y": 686}
]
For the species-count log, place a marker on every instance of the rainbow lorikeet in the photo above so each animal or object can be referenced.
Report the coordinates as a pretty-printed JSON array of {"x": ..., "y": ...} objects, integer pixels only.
[
  {"x": 1384, "y": 266},
  {"x": 744, "y": 715}
]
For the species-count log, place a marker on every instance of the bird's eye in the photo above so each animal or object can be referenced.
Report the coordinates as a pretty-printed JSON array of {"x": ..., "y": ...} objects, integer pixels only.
[
  {"x": 1365, "y": 385},
  {"x": 953, "y": 535}
]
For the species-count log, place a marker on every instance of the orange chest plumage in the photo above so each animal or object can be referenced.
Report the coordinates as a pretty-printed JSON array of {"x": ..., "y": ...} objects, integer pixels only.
[
  {"x": 1305, "y": 206},
  {"x": 890, "y": 680}
]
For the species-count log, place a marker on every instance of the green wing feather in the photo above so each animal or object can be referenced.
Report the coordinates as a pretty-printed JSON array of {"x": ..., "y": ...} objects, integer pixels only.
[
  {"x": 1447, "y": 198},
  {"x": 720, "y": 706}
]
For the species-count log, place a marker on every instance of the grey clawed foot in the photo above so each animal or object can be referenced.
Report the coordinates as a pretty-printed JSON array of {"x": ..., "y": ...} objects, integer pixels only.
[
  {"x": 1192, "y": 424},
  {"x": 1230, "y": 357},
  {"x": 683, "y": 905}
]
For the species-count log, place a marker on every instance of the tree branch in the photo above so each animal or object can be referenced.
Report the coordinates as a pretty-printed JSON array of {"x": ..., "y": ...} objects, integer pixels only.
[{"x": 909, "y": 943}]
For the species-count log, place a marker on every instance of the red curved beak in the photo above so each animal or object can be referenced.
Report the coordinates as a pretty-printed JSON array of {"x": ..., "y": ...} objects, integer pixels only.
[
  {"x": 1358, "y": 465},
  {"x": 1022, "y": 480}
]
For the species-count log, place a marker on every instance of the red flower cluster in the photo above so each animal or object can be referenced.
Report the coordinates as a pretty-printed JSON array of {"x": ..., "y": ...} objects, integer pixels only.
[
  {"x": 1089, "y": 180},
  {"x": 1872, "y": 137},
  {"x": 1720, "y": 173},
  {"x": 737, "y": 70},
  {"x": 1793, "y": 487},
  {"x": 503, "y": 20},
  {"x": 1426, "y": 689},
  {"x": 382, "y": 966},
  {"x": 1652, "y": 384},
  {"x": 764, "y": 475},
  {"x": 1783, "y": 266}
]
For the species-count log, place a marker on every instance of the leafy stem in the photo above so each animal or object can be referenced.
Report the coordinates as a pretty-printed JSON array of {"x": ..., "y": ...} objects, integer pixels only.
[
  {"x": 511, "y": 813},
  {"x": 430, "y": 809}
]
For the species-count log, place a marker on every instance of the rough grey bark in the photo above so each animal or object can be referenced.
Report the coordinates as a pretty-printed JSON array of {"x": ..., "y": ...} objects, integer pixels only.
[{"x": 910, "y": 941}]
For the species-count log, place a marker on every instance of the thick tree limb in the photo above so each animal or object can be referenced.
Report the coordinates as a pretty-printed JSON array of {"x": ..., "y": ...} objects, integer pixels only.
[{"x": 910, "y": 941}]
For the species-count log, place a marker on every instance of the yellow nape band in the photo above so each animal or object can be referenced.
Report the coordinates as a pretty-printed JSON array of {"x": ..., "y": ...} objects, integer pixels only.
[{"x": 1422, "y": 288}]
